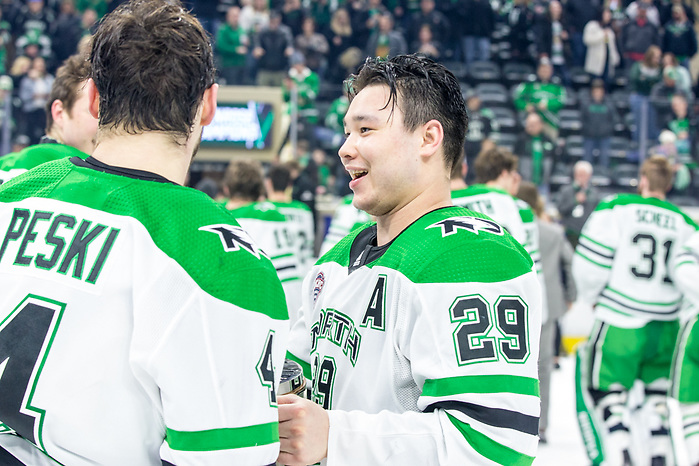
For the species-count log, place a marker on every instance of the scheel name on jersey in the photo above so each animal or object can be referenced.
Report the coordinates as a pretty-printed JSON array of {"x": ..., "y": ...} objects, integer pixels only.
[{"x": 44, "y": 239}]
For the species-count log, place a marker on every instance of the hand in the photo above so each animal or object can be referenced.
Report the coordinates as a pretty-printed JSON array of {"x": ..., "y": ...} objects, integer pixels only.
[
  {"x": 529, "y": 108},
  {"x": 580, "y": 197},
  {"x": 303, "y": 431},
  {"x": 543, "y": 104}
]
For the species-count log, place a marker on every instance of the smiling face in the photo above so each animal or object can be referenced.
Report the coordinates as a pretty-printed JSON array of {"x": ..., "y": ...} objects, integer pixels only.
[{"x": 380, "y": 155}]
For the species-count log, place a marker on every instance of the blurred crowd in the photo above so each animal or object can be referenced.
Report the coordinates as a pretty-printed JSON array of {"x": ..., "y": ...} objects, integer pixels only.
[{"x": 606, "y": 81}]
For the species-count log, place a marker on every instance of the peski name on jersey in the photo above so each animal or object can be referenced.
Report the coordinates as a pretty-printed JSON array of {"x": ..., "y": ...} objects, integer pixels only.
[
  {"x": 472, "y": 224},
  {"x": 67, "y": 242},
  {"x": 656, "y": 218}
]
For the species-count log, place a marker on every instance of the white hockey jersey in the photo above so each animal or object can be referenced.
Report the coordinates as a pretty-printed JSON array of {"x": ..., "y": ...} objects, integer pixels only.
[
  {"x": 512, "y": 213},
  {"x": 425, "y": 349},
  {"x": 278, "y": 239},
  {"x": 300, "y": 219},
  {"x": 621, "y": 261},
  {"x": 138, "y": 322},
  {"x": 684, "y": 269}
]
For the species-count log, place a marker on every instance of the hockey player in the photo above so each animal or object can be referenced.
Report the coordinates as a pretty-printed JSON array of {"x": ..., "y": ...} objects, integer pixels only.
[
  {"x": 420, "y": 331},
  {"x": 268, "y": 227},
  {"x": 621, "y": 267},
  {"x": 345, "y": 219},
  {"x": 497, "y": 182},
  {"x": 685, "y": 367},
  {"x": 70, "y": 129},
  {"x": 298, "y": 214},
  {"x": 139, "y": 325}
]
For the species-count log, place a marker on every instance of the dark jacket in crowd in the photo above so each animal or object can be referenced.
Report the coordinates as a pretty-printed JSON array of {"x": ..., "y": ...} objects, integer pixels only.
[
  {"x": 636, "y": 38},
  {"x": 598, "y": 118},
  {"x": 680, "y": 39},
  {"x": 477, "y": 18},
  {"x": 275, "y": 42}
]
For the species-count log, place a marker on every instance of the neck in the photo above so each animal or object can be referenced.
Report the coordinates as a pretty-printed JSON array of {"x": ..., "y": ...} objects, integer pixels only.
[
  {"x": 651, "y": 193},
  {"x": 458, "y": 183},
  {"x": 235, "y": 202},
  {"x": 495, "y": 184},
  {"x": 391, "y": 224},
  {"x": 277, "y": 196},
  {"x": 55, "y": 134},
  {"x": 153, "y": 152}
]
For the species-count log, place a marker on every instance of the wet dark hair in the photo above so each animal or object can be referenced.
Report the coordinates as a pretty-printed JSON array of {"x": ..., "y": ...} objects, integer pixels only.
[
  {"x": 424, "y": 90},
  {"x": 151, "y": 63}
]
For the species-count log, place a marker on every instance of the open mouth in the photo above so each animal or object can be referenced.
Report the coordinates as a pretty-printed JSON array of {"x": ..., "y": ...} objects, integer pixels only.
[{"x": 356, "y": 174}]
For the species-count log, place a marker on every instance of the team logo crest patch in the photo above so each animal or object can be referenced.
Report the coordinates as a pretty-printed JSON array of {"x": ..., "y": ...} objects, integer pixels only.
[
  {"x": 234, "y": 238},
  {"x": 473, "y": 224},
  {"x": 318, "y": 285}
]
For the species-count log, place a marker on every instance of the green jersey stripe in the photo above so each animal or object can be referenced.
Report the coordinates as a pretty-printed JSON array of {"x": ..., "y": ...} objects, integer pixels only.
[
  {"x": 489, "y": 448},
  {"x": 684, "y": 263},
  {"x": 223, "y": 439},
  {"x": 671, "y": 303},
  {"x": 304, "y": 365},
  {"x": 590, "y": 260},
  {"x": 481, "y": 384},
  {"x": 596, "y": 242},
  {"x": 527, "y": 215},
  {"x": 613, "y": 309}
]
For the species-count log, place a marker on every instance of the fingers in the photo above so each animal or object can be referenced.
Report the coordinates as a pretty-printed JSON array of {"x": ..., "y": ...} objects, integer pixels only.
[{"x": 287, "y": 399}]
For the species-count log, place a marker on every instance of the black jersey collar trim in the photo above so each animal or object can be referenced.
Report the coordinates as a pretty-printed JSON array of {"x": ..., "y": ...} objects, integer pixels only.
[
  {"x": 364, "y": 249},
  {"x": 95, "y": 164}
]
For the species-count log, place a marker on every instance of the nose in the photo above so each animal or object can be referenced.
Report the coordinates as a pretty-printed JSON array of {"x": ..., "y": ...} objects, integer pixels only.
[{"x": 347, "y": 149}]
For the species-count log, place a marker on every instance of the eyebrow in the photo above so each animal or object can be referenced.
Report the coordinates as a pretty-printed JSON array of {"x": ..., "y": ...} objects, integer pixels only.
[{"x": 360, "y": 118}]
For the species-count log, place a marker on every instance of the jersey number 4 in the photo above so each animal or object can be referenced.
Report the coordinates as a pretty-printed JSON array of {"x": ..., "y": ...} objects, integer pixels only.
[
  {"x": 475, "y": 339},
  {"x": 26, "y": 336}
]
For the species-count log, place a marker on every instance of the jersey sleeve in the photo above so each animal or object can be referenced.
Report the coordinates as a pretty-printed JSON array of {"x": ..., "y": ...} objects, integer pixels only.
[
  {"x": 684, "y": 269},
  {"x": 473, "y": 351},
  {"x": 594, "y": 255},
  {"x": 210, "y": 364},
  {"x": 299, "y": 347}
]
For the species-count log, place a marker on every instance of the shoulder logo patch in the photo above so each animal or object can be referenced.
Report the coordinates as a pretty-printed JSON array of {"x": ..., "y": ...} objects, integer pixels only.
[
  {"x": 234, "y": 238},
  {"x": 472, "y": 224},
  {"x": 318, "y": 285}
]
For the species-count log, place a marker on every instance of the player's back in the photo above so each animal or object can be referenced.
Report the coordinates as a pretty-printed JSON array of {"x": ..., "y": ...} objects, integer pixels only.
[
  {"x": 629, "y": 240},
  {"x": 300, "y": 219},
  {"x": 270, "y": 229},
  {"x": 513, "y": 214},
  {"x": 16, "y": 163},
  {"x": 115, "y": 312}
]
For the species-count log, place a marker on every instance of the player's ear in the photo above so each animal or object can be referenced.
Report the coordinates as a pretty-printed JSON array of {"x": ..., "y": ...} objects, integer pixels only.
[
  {"x": 432, "y": 137},
  {"x": 57, "y": 110},
  {"x": 93, "y": 99},
  {"x": 209, "y": 104}
]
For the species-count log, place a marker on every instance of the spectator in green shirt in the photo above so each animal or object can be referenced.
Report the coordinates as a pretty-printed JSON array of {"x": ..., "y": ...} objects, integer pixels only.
[
  {"x": 232, "y": 44},
  {"x": 543, "y": 97}
]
